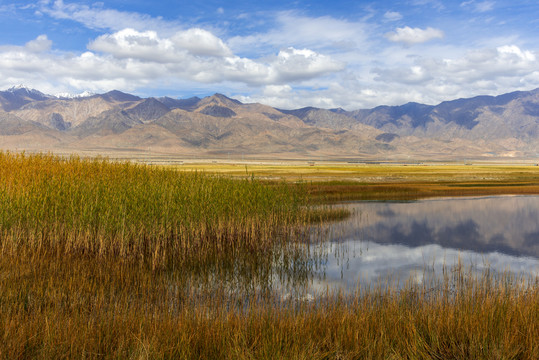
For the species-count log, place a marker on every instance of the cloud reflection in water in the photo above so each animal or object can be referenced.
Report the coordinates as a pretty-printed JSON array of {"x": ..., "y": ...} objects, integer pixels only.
[{"x": 408, "y": 240}]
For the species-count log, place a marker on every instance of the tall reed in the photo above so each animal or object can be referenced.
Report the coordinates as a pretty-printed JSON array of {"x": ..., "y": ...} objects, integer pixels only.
[
  {"x": 163, "y": 217},
  {"x": 54, "y": 309}
]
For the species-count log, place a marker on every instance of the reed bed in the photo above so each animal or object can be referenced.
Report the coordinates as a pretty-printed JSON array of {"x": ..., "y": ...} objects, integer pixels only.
[
  {"x": 95, "y": 208},
  {"x": 64, "y": 309},
  {"x": 116, "y": 261},
  {"x": 402, "y": 190}
]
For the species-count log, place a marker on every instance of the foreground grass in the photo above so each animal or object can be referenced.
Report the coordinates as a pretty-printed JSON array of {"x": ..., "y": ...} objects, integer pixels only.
[
  {"x": 104, "y": 260},
  {"x": 84, "y": 309},
  {"x": 96, "y": 208}
]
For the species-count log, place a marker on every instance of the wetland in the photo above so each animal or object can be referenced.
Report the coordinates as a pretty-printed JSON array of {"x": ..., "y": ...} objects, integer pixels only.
[{"x": 100, "y": 259}]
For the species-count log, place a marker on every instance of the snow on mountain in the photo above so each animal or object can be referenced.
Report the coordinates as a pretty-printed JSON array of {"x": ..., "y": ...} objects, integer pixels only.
[
  {"x": 18, "y": 89},
  {"x": 25, "y": 90},
  {"x": 66, "y": 95}
]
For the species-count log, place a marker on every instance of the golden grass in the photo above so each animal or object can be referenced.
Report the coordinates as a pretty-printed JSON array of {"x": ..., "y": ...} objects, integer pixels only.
[
  {"x": 370, "y": 173},
  {"x": 339, "y": 191},
  {"x": 101, "y": 209},
  {"x": 104, "y": 260},
  {"x": 86, "y": 309},
  {"x": 340, "y": 181}
]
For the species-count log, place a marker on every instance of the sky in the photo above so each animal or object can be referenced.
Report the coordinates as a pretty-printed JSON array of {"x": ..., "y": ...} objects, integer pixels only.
[{"x": 291, "y": 54}]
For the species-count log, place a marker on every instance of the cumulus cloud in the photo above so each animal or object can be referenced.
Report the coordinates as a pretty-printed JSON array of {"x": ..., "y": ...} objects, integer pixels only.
[
  {"x": 476, "y": 72},
  {"x": 293, "y": 65},
  {"x": 199, "y": 55},
  {"x": 277, "y": 90},
  {"x": 201, "y": 42},
  {"x": 131, "y": 59},
  {"x": 148, "y": 46},
  {"x": 426, "y": 79},
  {"x": 40, "y": 44},
  {"x": 292, "y": 60},
  {"x": 503, "y": 61},
  {"x": 411, "y": 36},
  {"x": 129, "y": 43}
]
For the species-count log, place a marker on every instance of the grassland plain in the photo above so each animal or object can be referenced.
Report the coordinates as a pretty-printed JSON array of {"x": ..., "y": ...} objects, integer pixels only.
[
  {"x": 116, "y": 260},
  {"x": 345, "y": 181}
]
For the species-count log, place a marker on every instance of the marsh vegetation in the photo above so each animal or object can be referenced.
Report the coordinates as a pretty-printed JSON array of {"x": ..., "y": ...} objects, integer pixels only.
[{"x": 116, "y": 260}]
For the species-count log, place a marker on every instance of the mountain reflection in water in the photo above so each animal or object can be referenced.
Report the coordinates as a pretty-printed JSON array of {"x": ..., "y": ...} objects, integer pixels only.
[{"x": 409, "y": 240}]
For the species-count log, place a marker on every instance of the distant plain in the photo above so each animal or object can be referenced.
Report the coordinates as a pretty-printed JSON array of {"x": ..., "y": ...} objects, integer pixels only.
[{"x": 333, "y": 181}]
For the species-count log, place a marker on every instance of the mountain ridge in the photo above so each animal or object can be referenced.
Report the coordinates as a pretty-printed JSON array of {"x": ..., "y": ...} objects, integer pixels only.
[{"x": 482, "y": 127}]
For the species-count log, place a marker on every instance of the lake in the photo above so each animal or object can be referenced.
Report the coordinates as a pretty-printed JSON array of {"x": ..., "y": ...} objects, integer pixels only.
[{"x": 416, "y": 240}]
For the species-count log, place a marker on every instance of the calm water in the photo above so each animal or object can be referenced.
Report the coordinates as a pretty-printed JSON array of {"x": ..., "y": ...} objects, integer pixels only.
[{"x": 417, "y": 239}]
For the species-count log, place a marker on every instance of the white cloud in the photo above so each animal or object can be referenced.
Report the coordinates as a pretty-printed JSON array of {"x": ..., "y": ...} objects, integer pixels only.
[
  {"x": 504, "y": 61},
  {"x": 481, "y": 71},
  {"x": 40, "y": 44},
  {"x": 292, "y": 60},
  {"x": 516, "y": 54},
  {"x": 291, "y": 29},
  {"x": 428, "y": 78},
  {"x": 130, "y": 59},
  {"x": 411, "y": 75},
  {"x": 129, "y": 43},
  {"x": 98, "y": 18},
  {"x": 392, "y": 16},
  {"x": 277, "y": 90},
  {"x": 485, "y": 6},
  {"x": 293, "y": 65},
  {"x": 286, "y": 97},
  {"x": 201, "y": 42},
  {"x": 199, "y": 55},
  {"x": 148, "y": 46},
  {"x": 412, "y": 36},
  {"x": 288, "y": 66}
]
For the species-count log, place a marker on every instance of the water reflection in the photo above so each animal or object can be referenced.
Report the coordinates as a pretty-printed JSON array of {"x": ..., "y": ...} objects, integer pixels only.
[
  {"x": 413, "y": 240},
  {"x": 384, "y": 244}
]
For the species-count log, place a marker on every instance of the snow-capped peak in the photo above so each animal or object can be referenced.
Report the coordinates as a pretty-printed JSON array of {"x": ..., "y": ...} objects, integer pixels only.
[
  {"x": 25, "y": 88},
  {"x": 22, "y": 90},
  {"x": 66, "y": 95},
  {"x": 19, "y": 87}
]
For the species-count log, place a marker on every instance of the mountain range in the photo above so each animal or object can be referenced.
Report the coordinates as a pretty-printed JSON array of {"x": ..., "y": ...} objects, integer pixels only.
[{"x": 120, "y": 124}]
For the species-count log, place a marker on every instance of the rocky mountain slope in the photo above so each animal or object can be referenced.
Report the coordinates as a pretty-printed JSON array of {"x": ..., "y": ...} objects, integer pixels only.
[{"x": 505, "y": 126}]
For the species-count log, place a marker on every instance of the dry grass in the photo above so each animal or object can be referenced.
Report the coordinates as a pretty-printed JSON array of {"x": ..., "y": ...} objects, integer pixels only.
[
  {"x": 371, "y": 173},
  {"x": 103, "y": 260},
  {"x": 95, "y": 208},
  {"x": 341, "y": 181},
  {"x": 86, "y": 309},
  {"x": 339, "y": 191}
]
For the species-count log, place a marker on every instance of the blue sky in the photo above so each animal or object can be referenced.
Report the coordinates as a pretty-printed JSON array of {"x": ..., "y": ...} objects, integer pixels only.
[{"x": 350, "y": 54}]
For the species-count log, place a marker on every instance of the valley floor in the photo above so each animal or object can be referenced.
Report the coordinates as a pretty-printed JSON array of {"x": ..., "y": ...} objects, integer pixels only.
[{"x": 339, "y": 181}]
